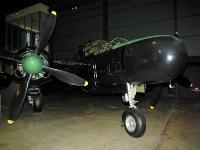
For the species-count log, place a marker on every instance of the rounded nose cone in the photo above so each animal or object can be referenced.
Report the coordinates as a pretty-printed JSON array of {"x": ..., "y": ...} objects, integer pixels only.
[
  {"x": 32, "y": 64},
  {"x": 157, "y": 59},
  {"x": 174, "y": 59}
]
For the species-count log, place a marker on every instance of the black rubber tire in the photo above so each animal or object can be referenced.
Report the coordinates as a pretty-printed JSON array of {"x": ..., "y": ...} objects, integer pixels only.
[
  {"x": 37, "y": 103},
  {"x": 139, "y": 120}
]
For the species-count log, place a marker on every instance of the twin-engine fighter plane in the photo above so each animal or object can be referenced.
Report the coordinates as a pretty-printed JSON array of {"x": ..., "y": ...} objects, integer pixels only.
[
  {"x": 122, "y": 66},
  {"x": 116, "y": 66}
]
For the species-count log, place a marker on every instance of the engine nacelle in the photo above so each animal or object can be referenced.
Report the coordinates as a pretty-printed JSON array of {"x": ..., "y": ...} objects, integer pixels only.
[{"x": 38, "y": 79}]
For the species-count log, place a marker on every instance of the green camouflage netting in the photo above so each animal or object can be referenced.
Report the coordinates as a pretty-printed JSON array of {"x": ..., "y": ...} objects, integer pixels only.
[{"x": 100, "y": 46}]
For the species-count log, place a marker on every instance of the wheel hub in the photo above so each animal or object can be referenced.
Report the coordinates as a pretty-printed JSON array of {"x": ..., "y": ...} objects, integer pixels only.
[{"x": 130, "y": 123}]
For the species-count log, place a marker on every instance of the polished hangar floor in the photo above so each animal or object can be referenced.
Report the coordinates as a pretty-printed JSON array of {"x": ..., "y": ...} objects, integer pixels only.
[{"x": 73, "y": 121}]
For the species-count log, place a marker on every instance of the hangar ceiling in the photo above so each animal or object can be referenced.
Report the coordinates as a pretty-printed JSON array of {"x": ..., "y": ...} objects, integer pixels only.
[{"x": 9, "y": 6}]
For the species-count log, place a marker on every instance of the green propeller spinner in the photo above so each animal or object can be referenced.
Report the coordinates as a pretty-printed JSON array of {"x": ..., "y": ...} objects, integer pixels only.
[{"x": 32, "y": 64}]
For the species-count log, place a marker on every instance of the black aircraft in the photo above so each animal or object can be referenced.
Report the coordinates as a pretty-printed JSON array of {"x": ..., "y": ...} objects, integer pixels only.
[
  {"x": 118, "y": 66},
  {"x": 122, "y": 66}
]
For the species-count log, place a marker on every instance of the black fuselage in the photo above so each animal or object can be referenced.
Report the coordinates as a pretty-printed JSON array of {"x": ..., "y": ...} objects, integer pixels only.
[{"x": 152, "y": 61}]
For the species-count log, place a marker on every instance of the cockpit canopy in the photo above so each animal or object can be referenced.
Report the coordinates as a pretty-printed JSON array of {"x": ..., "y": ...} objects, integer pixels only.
[{"x": 101, "y": 46}]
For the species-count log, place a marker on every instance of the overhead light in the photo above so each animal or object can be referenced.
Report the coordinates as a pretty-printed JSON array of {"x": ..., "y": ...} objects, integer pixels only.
[
  {"x": 74, "y": 5},
  {"x": 75, "y": 8},
  {"x": 15, "y": 13}
]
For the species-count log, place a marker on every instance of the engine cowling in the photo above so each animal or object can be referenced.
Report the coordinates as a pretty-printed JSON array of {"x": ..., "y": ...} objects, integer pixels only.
[{"x": 37, "y": 79}]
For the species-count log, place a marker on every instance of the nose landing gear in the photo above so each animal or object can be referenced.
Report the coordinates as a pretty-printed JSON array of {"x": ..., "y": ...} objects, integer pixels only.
[
  {"x": 132, "y": 118},
  {"x": 134, "y": 122},
  {"x": 35, "y": 99}
]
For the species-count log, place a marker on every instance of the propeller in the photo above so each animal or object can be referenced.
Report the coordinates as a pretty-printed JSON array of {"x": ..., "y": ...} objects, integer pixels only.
[
  {"x": 186, "y": 83},
  {"x": 33, "y": 64},
  {"x": 183, "y": 81},
  {"x": 5, "y": 80},
  {"x": 8, "y": 56},
  {"x": 66, "y": 76},
  {"x": 18, "y": 100},
  {"x": 47, "y": 32}
]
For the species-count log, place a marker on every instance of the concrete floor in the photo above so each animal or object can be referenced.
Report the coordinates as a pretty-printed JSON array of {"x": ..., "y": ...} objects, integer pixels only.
[{"x": 82, "y": 122}]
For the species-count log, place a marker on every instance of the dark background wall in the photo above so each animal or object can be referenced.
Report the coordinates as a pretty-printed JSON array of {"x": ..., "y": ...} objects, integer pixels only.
[
  {"x": 129, "y": 19},
  {"x": 132, "y": 19},
  {"x": 126, "y": 18},
  {"x": 2, "y": 30},
  {"x": 75, "y": 27}
]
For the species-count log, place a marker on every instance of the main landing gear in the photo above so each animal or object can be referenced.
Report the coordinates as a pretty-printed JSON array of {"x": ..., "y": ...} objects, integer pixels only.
[
  {"x": 132, "y": 118},
  {"x": 35, "y": 99}
]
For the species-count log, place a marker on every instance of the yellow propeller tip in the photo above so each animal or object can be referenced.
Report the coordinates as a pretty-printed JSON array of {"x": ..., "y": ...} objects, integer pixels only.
[
  {"x": 152, "y": 107},
  {"x": 86, "y": 83},
  {"x": 54, "y": 13},
  {"x": 191, "y": 85},
  {"x": 10, "y": 122}
]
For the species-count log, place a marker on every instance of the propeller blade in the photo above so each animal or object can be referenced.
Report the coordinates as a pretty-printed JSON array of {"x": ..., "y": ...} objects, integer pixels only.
[
  {"x": 5, "y": 80},
  {"x": 8, "y": 56},
  {"x": 47, "y": 31},
  {"x": 66, "y": 77},
  {"x": 186, "y": 83},
  {"x": 18, "y": 101},
  {"x": 183, "y": 81}
]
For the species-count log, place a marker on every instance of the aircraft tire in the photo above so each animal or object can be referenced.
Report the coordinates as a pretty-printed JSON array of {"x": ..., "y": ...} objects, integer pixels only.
[
  {"x": 37, "y": 103},
  {"x": 134, "y": 122}
]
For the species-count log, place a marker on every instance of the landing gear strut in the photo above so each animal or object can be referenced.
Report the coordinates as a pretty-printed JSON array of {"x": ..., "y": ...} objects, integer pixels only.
[
  {"x": 35, "y": 99},
  {"x": 133, "y": 119}
]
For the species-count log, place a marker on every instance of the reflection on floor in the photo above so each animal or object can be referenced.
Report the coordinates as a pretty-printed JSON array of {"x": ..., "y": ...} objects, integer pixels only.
[{"x": 82, "y": 122}]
